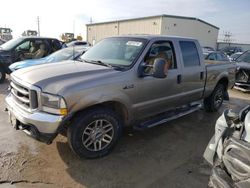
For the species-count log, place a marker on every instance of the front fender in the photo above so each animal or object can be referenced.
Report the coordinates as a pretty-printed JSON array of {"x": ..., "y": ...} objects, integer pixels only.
[{"x": 96, "y": 98}]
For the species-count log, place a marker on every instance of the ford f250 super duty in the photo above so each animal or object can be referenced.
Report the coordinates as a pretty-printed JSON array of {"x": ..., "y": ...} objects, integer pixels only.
[{"x": 139, "y": 81}]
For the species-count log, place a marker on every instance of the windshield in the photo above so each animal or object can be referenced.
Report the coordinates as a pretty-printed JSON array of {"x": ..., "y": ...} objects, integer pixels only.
[
  {"x": 65, "y": 54},
  {"x": 11, "y": 44},
  {"x": 115, "y": 51},
  {"x": 244, "y": 57}
]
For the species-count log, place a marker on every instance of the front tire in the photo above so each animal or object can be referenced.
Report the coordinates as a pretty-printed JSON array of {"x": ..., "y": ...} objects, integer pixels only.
[
  {"x": 215, "y": 100},
  {"x": 94, "y": 133},
  {"x": 2, "y": 75}
]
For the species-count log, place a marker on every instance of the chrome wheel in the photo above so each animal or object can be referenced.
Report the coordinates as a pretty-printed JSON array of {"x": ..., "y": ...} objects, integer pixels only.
[
  {"x": 218, "y": 98},
  {"x": 98, "y": 135}
]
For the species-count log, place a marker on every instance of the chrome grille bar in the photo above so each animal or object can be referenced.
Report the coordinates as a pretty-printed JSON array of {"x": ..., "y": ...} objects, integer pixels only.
[
  {"x": 19, "y": 89},
  {"x": 22, "y": 99}
]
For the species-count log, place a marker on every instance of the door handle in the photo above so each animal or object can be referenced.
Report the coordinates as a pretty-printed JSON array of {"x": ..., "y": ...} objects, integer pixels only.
[
  {"x": 201, "y": 75},
  {"x": 179, "y": 79}
]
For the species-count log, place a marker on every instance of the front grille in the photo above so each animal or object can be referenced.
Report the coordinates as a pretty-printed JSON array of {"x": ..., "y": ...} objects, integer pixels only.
[{"x": 24, "y": 96}]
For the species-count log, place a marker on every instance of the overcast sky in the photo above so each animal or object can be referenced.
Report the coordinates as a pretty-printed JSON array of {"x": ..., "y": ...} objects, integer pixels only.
[{"x": 58, "y": 16}]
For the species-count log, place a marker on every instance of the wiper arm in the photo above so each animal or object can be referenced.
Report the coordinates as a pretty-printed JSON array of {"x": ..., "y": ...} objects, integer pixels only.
[{"x": 98, "y": 62}]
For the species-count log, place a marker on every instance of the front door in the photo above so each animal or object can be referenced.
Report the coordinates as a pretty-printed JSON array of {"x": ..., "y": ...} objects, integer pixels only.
[{"x": 156, "y": 95}]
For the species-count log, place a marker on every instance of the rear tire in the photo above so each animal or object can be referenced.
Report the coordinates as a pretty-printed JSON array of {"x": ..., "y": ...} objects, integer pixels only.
[
  {"x": 2, "y": 75},
  {"x": 215, "y": 100},
  {"x": 94, "y": 133}
]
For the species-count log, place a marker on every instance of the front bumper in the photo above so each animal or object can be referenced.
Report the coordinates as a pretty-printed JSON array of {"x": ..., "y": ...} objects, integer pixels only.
[
  {"x": 245, "y": 87},
  {"x": 41, "y": 126}
]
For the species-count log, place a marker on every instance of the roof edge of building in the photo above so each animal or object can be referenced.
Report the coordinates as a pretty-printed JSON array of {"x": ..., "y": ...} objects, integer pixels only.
[{"x": 148, "y": 17}]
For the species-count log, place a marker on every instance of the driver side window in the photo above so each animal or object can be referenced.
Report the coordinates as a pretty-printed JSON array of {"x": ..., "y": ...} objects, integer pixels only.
[
  {"x": 24, "y": 46},
  {"x": 161, "y": 49}
]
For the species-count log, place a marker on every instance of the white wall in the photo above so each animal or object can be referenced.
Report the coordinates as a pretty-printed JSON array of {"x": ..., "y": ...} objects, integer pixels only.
[
  {"x": 100, "y": 31},
  {"x": 143, "y": 26},
  {"x": 207, "y": 35}
]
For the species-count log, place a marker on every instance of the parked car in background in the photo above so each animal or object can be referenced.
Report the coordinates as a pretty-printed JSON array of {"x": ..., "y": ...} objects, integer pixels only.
[
  {"x": 78, "y": 43},
  {"x": 206, "y": 50},
  {"x": 2, "y": 41},
  {"x": 234, "y": 56},
  {"x": 229, "y": 50},
  {"x": 70, "y": 53},
  {"x": 25, "y": 48},
  {"x": 229, "y": 151},
  {"x": 136, "y": 80},
  {"x": 242, "y": 81},
  {"x": 217, "y": 57}
]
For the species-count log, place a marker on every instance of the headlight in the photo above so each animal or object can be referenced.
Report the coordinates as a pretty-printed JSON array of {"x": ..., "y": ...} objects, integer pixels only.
[{"x": 53, "y": 104}]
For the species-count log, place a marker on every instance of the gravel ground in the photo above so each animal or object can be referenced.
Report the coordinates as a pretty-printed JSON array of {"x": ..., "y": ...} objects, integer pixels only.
[{"x": 165, "y": 156}]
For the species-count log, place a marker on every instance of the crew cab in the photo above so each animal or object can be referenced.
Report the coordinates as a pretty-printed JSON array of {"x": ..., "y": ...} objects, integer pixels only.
[
  {"x": 140, "y": 81},
  {"x": 16, "y": 50}
]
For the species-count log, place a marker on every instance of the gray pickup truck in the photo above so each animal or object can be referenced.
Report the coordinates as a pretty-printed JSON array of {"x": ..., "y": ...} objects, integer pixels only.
[{"x": 139, "y": 81}]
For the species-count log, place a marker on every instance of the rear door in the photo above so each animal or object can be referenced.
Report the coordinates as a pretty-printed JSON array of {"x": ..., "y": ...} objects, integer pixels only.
[{"x": 193, "y": 70}]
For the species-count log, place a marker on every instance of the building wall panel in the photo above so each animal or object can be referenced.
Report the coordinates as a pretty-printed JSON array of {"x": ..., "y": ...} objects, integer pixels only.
[{"x": 206, "y": 34}]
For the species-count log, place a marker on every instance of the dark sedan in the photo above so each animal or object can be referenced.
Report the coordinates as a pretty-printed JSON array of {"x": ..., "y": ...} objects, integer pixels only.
[{"x": 22, "y": 48}]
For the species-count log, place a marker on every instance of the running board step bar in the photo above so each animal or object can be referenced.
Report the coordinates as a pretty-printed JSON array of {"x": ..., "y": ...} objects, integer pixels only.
[{"x": 166, "y": 117}]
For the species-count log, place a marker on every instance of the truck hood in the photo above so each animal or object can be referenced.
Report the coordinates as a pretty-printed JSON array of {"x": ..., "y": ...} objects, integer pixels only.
[
  {"x": 60, "y": 77},
  {"x": 243, "y": 65}
]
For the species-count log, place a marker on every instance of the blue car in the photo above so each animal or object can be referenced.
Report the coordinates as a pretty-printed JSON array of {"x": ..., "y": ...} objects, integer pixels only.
[{"x": 69, "y": 53}]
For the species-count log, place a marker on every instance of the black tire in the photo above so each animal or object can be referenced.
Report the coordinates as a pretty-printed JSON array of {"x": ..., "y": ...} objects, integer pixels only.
[
  {"x": 79, "y": 140},
  {"x": 2, "y": 75},
  {"x": 215, "y": 100}
]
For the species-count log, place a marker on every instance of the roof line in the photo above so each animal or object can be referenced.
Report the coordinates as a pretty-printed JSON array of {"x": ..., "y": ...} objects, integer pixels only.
[{"x": 148, "y": 17}]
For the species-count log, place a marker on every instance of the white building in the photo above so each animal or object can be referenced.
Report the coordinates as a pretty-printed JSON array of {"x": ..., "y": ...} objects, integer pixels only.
[{"x": 206, "y": 33}]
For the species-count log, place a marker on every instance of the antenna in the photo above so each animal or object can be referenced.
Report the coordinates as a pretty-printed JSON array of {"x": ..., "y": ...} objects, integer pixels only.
[
  {"x": 73, "y": 38},
  {"x": 38, "y": 25}
]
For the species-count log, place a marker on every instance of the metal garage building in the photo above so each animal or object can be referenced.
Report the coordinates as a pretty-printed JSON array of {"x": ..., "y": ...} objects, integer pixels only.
[{"x": 205, "y": 32}]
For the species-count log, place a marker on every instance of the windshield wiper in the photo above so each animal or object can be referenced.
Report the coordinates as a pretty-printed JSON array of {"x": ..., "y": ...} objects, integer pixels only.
[{"x": 98, "y": 62}]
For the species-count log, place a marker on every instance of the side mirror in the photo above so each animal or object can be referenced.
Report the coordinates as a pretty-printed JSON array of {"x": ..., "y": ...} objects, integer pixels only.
[{"x": 159, "y": 68}]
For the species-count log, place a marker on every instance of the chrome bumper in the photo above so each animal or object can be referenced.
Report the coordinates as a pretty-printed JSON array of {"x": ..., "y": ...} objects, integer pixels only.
[{"x": 43, "y": 122}]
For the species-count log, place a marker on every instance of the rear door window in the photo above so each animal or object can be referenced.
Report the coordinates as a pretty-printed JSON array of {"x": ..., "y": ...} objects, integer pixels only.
[{"x": 190, "y": 54}]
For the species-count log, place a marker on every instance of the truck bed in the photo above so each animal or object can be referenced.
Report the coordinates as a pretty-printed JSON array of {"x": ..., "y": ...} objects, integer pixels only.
[{"x": 215, "y": 71}]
